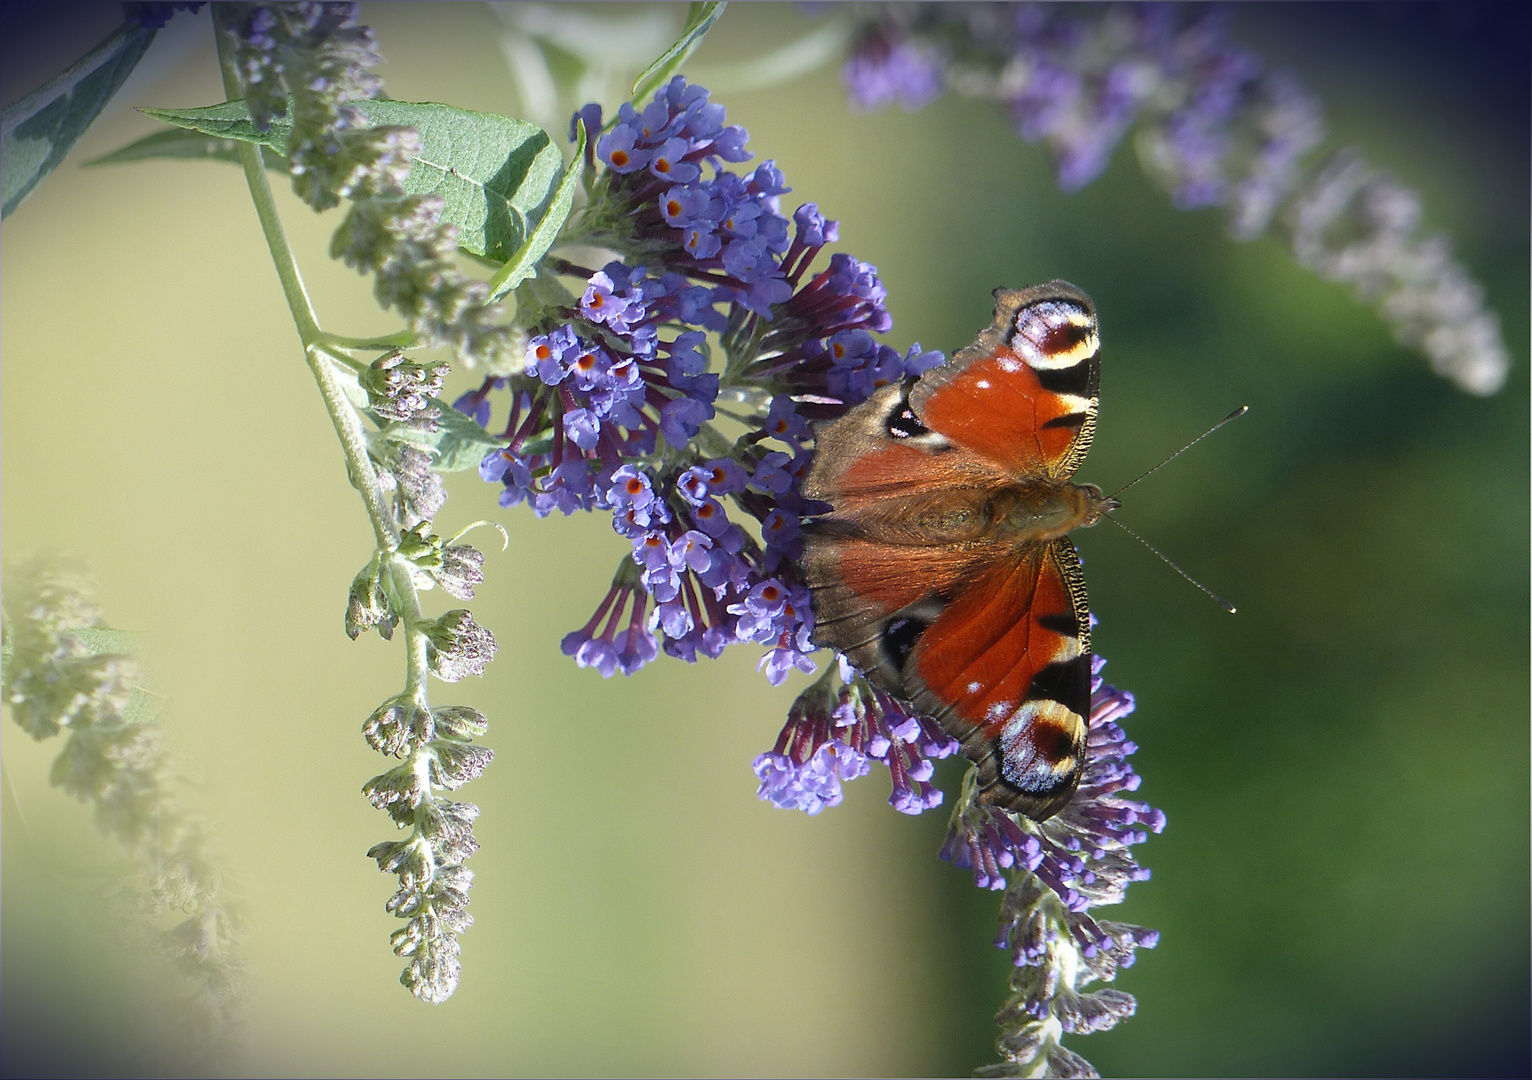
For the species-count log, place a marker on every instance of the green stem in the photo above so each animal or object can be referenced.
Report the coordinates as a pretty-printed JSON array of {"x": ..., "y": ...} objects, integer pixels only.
[
  {"x": 348, "y": 425},
  {"x": 416, "y": 668}
]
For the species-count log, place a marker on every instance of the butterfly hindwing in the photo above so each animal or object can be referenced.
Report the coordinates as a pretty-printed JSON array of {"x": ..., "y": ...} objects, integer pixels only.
[
  {"x": 1005, "y": 669},
  {"x": 1024, "y": 395},
  {"x": 873, "y": 599}
]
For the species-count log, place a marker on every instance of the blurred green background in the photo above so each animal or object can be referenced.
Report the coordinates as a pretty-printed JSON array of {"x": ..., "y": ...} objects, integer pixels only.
[{"x": 1343, "y": 884}]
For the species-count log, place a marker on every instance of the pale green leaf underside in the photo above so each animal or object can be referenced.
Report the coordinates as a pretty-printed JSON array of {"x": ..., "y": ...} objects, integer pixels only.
[
  {"x": 37, "y": 131},
  {"x": 699, "y": 20},
  {"x": 495, "y": 175},
  {"x": 524, "y": 263},
  {"x": 7, "y": 648}
]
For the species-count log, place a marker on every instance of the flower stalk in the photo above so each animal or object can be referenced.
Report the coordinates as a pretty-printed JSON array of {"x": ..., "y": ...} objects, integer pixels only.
[{"x": 260, "y": 47}]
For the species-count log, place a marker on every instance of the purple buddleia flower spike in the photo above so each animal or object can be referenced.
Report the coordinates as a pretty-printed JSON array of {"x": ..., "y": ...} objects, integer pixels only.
[
  {"x": 1210, "y": 122},
  {"x": 841, "y": 718},
  {"x": 1059, "y": 870},
  {"x": 618, "y": 392}
]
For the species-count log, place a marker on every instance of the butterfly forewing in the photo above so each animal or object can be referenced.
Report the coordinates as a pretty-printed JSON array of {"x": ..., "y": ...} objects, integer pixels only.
[
  {"x": 860, "y": 461},
  {"x": 1024, "y": 395}
]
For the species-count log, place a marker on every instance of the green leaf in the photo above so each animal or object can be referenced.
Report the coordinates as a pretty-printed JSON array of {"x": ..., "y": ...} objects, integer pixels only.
[
  {"x": 699, "y": 20},
  {"x": 523, "y": 264},
  {"x": 495, "y": 175},
  {"x": 37, "y": 131},
  {"x": 228, "y": 120},
  {"x": 142, "y": 707},
  {"x": 185, "y": 146},
  {"x": 457, "y": 444}
]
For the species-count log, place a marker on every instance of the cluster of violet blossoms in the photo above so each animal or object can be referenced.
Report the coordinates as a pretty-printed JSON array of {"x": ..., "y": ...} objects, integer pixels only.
[
  {"x": 833, "y": 733},
  {"x": 616, "y": 407},
  {"x": 1214, "y": 126}
]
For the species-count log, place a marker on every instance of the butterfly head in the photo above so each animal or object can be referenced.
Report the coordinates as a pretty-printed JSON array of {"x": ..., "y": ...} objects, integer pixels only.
[{"x": 1095, "y": 505}]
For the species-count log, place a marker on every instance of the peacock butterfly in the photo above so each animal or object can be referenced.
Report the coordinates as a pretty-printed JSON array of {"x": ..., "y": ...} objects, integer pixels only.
[{"x": 943, "y": 570}]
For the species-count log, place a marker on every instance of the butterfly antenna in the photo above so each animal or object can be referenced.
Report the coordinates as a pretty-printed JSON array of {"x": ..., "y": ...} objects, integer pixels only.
[
  {"x": 1241, "y": 411},
  {"x": 1220, "y": 601}
]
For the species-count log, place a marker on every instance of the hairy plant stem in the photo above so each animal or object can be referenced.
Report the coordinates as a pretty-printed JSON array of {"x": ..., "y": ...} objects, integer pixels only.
[{"x": 318, "y": 347}]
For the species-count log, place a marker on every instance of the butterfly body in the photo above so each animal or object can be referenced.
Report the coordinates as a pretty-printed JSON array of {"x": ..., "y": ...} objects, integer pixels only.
[{"x": 943, "y": 569}]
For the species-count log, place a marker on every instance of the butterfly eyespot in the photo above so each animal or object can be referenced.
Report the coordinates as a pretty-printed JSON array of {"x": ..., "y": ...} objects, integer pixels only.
[
  {"x": 904, "y": 424},
  {"x": 1064, "y": 339},
  {"x": 899, "y": 639},
  {"x": 1054, "y": 334},
  {"x": 1057, "y": 743}
]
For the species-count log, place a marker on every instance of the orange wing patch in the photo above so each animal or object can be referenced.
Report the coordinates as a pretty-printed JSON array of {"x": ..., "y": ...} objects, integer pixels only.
[
  {"x": 1024, "y": 395},
  {"x": 982, "y": 654},
  {"x": 999, "y": 407}
]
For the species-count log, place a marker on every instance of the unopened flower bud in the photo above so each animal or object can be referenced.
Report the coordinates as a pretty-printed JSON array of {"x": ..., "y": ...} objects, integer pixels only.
[
  {"x": 421, "y": 493},
  {"x": 458, "y": 646},
  {"x": 461, "y": 568},
  {"x": 368, "y": 605},
  {"x": 399, "y": 723},
  {"x": 399, "y": 390},
  {"x": 453, "y": 764},
  {"x": 460, "y": 722},
  {"x": 421, "y": 546},
  {"x": 398, "y": 791}
]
